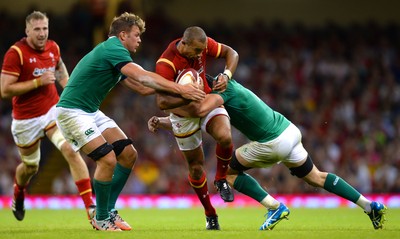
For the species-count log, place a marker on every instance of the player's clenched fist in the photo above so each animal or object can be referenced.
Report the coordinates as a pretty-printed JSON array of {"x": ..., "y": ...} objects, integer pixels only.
[{"x": 156, "y": 123}]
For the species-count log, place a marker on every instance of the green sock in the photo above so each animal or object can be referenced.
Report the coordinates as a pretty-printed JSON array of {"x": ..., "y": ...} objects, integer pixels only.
[
  {"x": 247, "y": 185},
  {"x": 121, "y": 175},
  {"x": 102, "y": 190},
  {"x": 338, "y": 186}
]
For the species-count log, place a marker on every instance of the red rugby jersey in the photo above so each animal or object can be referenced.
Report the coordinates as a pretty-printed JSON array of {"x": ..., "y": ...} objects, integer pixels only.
[
  {"x": 171, "y": 63},
  {"x": 27, "y": 64}
]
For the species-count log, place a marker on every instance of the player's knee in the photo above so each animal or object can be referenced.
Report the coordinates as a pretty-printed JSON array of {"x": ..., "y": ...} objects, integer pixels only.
[
  {"x": 304, "y": 169},
  {"x": 125, "y": 151},
  {"x": 235, "y": 166},
  {"x": 68, "y": 153},
  {"x": 31, "y": 169},
  {"x": 32, "y": 160},
  {"x": 225, "y": 140},
  {"x": 196, "y": 171},
  {"x": 120, "y": 145},
  {"x": 100, "y": 151}
]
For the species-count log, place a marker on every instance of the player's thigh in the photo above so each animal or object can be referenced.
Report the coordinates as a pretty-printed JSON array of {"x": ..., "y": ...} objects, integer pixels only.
[
  {"x": 218, "y": 116},
  {"x": 79, "y": 128},
  {"x": 219, "y": 128},
  {"x": 187, "y": 132}
]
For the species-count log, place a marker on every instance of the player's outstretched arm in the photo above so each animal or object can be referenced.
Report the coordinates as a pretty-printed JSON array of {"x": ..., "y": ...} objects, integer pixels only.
[
  {"x": 201, "y": 109},
  {"x": 150, "y": 79},
  {"x": 138, "y": 87}
]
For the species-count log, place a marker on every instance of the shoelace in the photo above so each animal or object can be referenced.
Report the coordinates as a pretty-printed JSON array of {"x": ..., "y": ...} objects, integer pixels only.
[
  {"x": 108, "y": 224},
  {"x": 213, "y": 222}
]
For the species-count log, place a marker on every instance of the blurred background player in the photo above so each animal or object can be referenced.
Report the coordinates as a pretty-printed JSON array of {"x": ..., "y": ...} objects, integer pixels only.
[
  {"x": 29, "y": 72},
  {"x": 191, "y": 51},
  {"x": 274, "y": 139},
  {"x": 90, "y": 131}
]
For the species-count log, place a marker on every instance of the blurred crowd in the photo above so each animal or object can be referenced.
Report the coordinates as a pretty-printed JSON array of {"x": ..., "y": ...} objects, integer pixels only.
[{"x": 339, "y": 84}]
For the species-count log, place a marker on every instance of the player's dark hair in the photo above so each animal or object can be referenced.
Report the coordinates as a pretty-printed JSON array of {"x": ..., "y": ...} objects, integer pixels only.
[
  {"x": 124, "y": 22},
  {"x": 194, "y": 34}
]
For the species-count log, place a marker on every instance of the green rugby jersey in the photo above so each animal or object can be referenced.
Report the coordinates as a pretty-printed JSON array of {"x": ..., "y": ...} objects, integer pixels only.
[
  {"x": 250, "y": 115},
  {"x": 94, "y": 76}
]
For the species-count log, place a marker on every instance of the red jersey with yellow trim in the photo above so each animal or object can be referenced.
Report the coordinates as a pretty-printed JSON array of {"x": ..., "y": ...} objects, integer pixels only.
[
  {"x": 27, "y": 64},
  {"x": 171, "y": 62}
]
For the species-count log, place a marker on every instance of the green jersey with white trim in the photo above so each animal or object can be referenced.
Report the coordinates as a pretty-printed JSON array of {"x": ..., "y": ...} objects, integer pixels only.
[
  {"x": 95, "y": 76},
  {"x": 250, "y": 115}
]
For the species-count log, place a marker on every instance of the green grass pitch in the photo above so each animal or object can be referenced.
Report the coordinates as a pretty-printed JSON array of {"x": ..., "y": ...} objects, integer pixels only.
[{"x": 236, "y": 223}]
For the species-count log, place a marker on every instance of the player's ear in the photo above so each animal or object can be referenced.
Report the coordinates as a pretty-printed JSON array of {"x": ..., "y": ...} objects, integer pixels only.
[{"x": 122, "y": 35}]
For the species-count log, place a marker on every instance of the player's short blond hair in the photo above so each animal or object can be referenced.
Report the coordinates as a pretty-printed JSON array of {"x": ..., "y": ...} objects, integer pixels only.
[
  {"x": 35, "y": 15},
  {"x": 124, "y": 22}
]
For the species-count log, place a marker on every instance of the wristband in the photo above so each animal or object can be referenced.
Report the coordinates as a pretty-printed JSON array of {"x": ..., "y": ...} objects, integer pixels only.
[
  {"x": 37, "y": 82},
  {"x": 228, "y": 73}
]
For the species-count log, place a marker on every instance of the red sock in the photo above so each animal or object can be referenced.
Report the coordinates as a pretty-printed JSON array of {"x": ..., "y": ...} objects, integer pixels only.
[
  {"x": 85, "y": 190},
  {"x": 201, "y": 189},
  {"x": 19, "y": 191},
  {"x": 224, "y": 156}
]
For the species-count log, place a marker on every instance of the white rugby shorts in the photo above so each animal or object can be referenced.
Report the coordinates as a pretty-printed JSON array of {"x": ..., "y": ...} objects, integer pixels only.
[
  {"x": 80, "y": 127},
  {"x": 287, "y": 147},
  {"x": 187, "y": 131},
  {"x": 26, "y": 132}
]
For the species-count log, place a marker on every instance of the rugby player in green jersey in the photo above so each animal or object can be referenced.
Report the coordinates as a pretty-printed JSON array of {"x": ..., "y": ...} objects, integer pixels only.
[
  {"x": 90, "y": 131},
  {"x": 274, "y": 139}
]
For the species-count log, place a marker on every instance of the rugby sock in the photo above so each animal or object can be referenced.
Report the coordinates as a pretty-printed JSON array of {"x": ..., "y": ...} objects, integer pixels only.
[
  {"x": 121, "y": 175},
  {"x": 201, "y": 189},
  {"x": 19, "y": 191},
  {"x": 247, "y": 185},
  {"x": 224, "y": 156},
  {"x": 85, "y": 191},
  {"x": 338, "y": 186},
  {"x": 270, "y": 202},
  {"x": 102, "y": 190},
  {"x": 364, "y": 203}
]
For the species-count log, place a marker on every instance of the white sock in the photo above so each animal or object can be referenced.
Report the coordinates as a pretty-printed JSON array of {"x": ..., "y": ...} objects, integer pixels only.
[
  {"x": 270, "y": 202},
  {"x": 364, "y": 203}
]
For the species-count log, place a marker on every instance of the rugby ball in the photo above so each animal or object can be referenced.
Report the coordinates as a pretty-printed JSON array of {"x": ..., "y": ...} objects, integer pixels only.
[{"x": 187, "y": 76}]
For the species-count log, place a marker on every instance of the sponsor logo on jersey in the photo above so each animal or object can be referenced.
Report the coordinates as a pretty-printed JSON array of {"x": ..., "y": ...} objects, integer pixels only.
[{"x": 39, "y": 71}]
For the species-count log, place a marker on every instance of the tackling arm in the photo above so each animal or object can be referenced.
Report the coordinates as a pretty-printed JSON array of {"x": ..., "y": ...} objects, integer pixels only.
[
  {"x": 152, "y": 80},
  {"x": 137, "y": 87},
  {"x": 168, "y": 101},
  {"x": 201, "y": 109}
]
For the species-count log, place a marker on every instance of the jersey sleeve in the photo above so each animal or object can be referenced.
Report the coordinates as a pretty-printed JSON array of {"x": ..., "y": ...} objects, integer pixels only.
[
  {"x": 165, "y": 70},
  {"x": 118, "y": 54},
  {"x": 12, "y": 64},
  {"x": 213, "y": 48}
]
